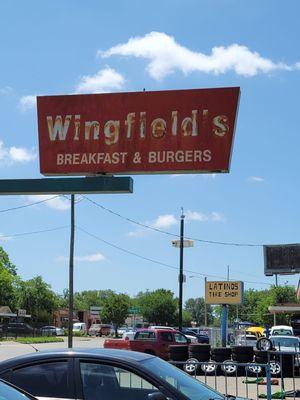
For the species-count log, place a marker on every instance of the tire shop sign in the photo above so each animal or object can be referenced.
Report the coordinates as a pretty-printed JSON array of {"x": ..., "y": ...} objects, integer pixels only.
[
  {"x": 224, "y": 292},
  {"x": 135, "y": 133}
]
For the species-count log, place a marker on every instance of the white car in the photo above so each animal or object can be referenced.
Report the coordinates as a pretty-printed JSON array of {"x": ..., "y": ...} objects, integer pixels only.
[
  {"x": 52, "y": 331},
  {"x": 246, "y": 340},
  {"x": 282, "y": 330},
  {"x": 79, "y": 327}
]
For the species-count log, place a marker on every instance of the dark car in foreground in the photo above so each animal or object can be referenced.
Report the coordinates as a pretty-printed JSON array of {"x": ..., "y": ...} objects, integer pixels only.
[
  {"x": 104, "y": 374},
  {"x": 10, "y": 392}
]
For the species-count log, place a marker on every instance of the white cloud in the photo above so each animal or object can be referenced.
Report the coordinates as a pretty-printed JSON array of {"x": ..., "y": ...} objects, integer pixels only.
[
  {"x": 165, "y": 56},
  {"x": 9, "y": 155},
  {"x": 164, "y": 221},
  {"x": 202, "y": 217},
  {"x": 6, "y": 90},
  {"x": 20, "y": 154},
  {"x": 57, "y": 203},
  {"x": 104, "y": 80},
  {"x": 27, "y": 102},
  {"x": 88, "y": 258},
  {"x": 161, "y": 222},
  {"x": 255, "y": 179}
]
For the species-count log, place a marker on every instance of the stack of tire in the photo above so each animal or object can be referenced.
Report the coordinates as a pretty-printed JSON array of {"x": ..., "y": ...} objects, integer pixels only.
[
  {"x": 199, "y": 351},
  {"x": 196, "y": 353},
  {"x": 287, "y": 362},
  {"x": 242, "y": 354},
  {"x": 178, "y": 353},
  {"x": 221, "y": 354}
]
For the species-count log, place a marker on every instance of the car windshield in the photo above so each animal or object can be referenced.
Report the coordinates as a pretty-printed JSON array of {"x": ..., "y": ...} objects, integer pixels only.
[
  {"x": 185, "y": 384},
  {"x": 286, "y": 342},
  {"x": 9, "y": 393},
  {"x": 282, "y": 332}
]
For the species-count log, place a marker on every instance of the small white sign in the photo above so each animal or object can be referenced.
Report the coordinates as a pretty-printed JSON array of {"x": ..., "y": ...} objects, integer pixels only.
[{"x": 186, "y": 243}]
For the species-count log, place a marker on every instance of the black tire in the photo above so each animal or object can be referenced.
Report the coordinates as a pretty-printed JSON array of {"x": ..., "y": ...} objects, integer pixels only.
[
  {"x": 221, "y": 350},
  {"x": 229, "y": 367},
  {"x": 199, "y": 356},
  {"x": 242, "y": 358},
  {"x": 254, "y": 370},
  {"x": 209, "y": 369},
  {"x": 178, "y": 357},
  {"x": 191, "y": 367},
  {"x": 179, "y": 349},
  {"x": 221, "y": 354},
  {"x": 264, "y": 343},
  {"x": 242, "y": 350},
  {"x": 199, "y": 348}
]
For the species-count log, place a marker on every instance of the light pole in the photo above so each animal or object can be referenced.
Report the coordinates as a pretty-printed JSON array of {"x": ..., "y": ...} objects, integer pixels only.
[{"x": 181, "y": 243}]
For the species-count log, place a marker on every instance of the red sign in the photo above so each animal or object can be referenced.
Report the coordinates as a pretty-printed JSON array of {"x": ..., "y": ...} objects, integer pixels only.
[{"x": 135, "y": 133}]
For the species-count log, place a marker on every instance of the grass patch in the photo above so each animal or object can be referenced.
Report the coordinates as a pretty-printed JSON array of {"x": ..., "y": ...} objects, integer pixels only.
[{"x": 42, "y": 339}]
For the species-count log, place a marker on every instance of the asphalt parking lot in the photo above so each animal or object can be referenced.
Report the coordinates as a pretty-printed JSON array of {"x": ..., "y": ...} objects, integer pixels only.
[{"x": 231, "y": 385}]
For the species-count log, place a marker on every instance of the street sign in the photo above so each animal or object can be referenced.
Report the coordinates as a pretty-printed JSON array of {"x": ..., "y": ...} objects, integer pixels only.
[
  {"x": 95, "y": 311},
  {"x": 224, "y": 292},
  {"x": 137, "y": 133},
  {"x": 282, "y": 259},
  {"x": 100, "y": 184},
  {"x": 186, "y": 243},
  {"x": 134, "y": 310}
]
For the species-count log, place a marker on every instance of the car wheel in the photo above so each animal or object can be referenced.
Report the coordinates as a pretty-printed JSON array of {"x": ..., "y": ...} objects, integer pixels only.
[
  {"x": 191, "y": 366},
  {"x": 264, "y": 344},
  {"x": 229, "y": 367},
  {"x": 254, "y": 369},
  {"x": 275, "y": 368},
  {"x": 209, "y": 369}
]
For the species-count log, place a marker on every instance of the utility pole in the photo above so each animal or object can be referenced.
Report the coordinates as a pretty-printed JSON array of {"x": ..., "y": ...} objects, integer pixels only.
[
  {"x": 181, "y": 269},
  {"x": 205, "y": 305},
  {"x": 71, "y": 274}
]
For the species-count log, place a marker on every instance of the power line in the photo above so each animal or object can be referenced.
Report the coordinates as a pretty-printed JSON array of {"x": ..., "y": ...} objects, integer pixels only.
[
  {"x": 169, "y": 233},
  {"x": 155, "y": 261},
  {"x": 33, "y": 232},
  {"x": 28, "y": 205}
]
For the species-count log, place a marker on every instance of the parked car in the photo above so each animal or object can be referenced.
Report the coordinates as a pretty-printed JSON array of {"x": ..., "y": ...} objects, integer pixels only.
[
  {"x": 199, "y": 338},
  {"x": 122, "y": 329},
  {"x": 287, "y": 344},
  {"x": 52, "y": 331},
  {"x": 95, "y": 330},
  {"x": 151, "y": 341},
  {"x": 281, "y": 330},
  {"x": 79, "y": 327},
  {"x": 17, "y": 328},
  {"x": 247, "y": 340},
  {"x": 102, "y": 374},
  {"x": 10, "y": 392}
]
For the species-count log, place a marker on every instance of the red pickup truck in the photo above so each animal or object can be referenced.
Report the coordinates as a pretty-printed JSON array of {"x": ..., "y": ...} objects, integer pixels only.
[{"x": 151, "y": 341}]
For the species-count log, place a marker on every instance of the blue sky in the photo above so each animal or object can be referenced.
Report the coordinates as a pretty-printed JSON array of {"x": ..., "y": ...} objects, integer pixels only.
[{"x": 64, "y": 47}]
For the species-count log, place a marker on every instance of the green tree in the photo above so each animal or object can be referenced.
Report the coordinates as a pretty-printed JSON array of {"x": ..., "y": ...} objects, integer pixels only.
[
  {"x": 158, "y": 307},
  {"x": 38, "y": 299},
  {"x": 6, "y": 263},
  {"x": 7, "y": 288},
  {"x": 196, "y": 307},
  {"x": 186, "y": 318},
  {"x": 84, "y": 300},
  {"x": 115, "y": 309}
]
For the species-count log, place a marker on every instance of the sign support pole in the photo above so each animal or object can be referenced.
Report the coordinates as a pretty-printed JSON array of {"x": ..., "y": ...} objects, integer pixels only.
[
  {"x": 181, "y": 270},
  {"x": 71, "y": 275},
  {"x": 224, "y": 325}
]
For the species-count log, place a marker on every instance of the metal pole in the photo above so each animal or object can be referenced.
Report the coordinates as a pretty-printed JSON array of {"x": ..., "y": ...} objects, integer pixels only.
[
  {"x": 205, "y": 305},
  {"x": 276, "y": 280},
  {"x": 71, "y": 275},
  {"x": 224, "y": 325},
  {"x": 181, "y": 269}
]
